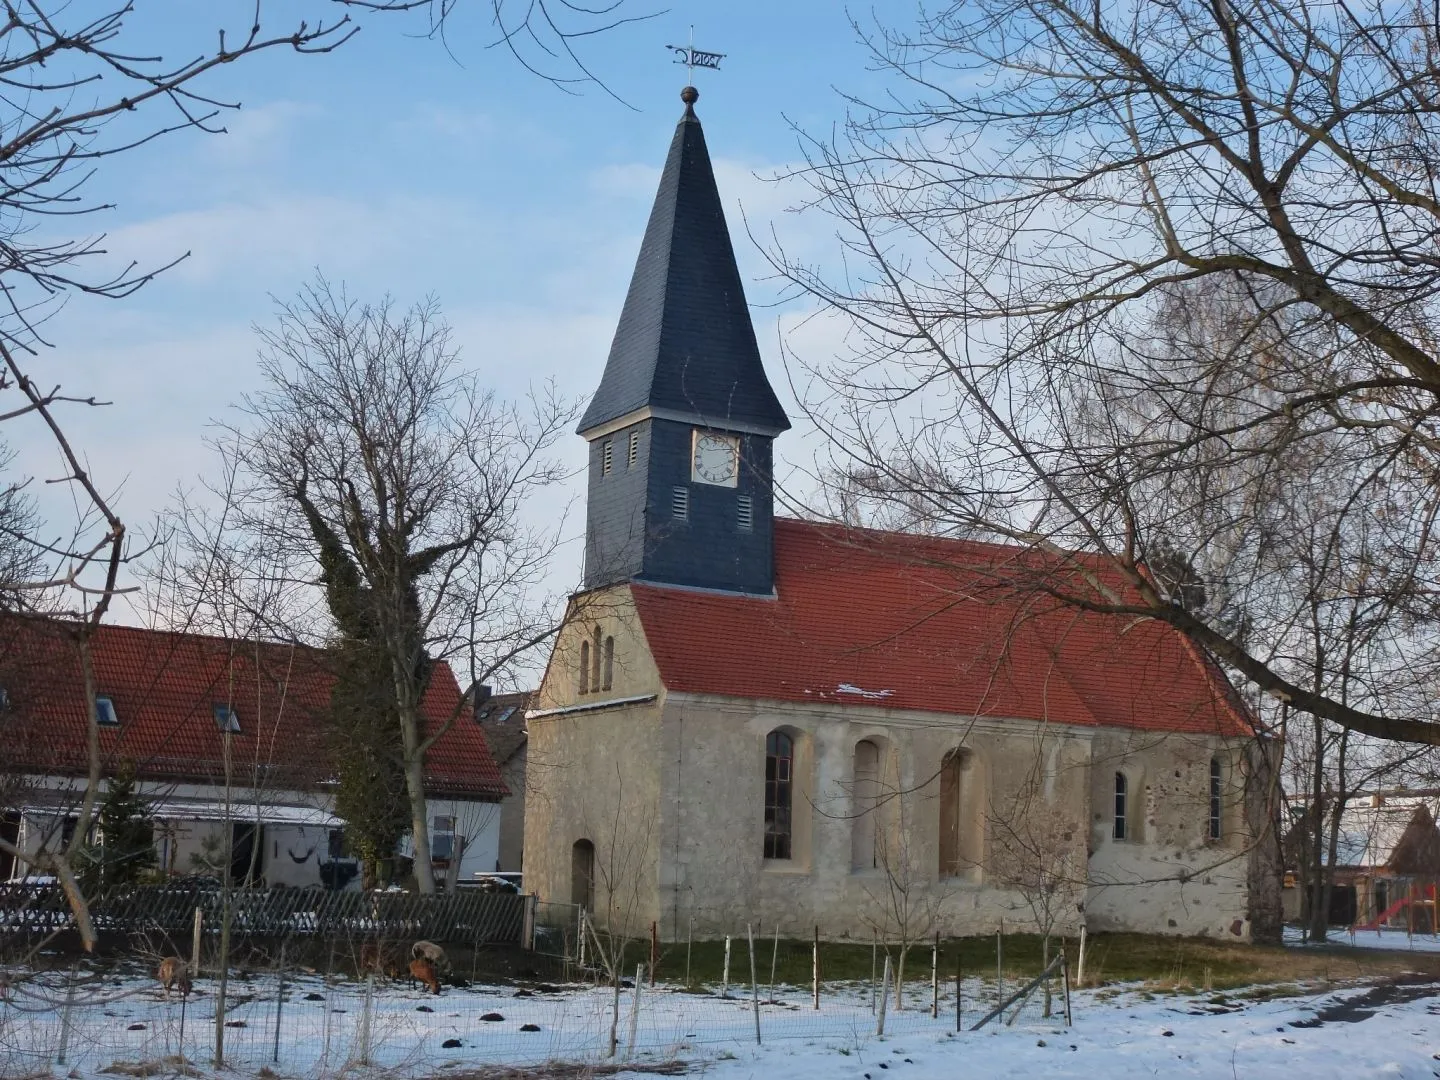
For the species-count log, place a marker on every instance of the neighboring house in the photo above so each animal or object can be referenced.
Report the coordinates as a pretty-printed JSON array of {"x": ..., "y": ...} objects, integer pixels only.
[
  {"x": 756, "y": 720},
  {"x": 222, "y": 735},
  {"x": 502, "y": 718},
  {"x": 1387, "y": 864}
]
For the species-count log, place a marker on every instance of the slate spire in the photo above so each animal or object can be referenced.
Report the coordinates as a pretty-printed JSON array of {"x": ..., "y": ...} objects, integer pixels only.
[{"x": 685, "y": 346}]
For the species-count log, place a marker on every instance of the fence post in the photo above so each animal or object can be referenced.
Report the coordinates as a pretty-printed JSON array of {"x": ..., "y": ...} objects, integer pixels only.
[
  {"x": 65, "y": 1019},
  {"x": 774, "y": 956},
  {"x": 654, "y": 951},
  {"x": 1080, "y": 962},
  {"x": 935, "y": 978},
  {"x": 580, "y": 949},
  {"x": 1000, "y": 963},
  {"x": 635, "y": 1011},
  {"x": 874, "y": 970},
  {"x": 279, "y": 1005},
  {"x": 884, "y": 997},
  {"x": 689, "y": 940},
  {"x": 365, "y": 1017},
  {"x": 527, "y": 926},
  {"x": 1065, "y": 985},
  {"x": 815, "y": 969},
  {"x": 725, "y": 971},
  {"x": 754, "y": 982},
  {"x": 195, "y": 944},
  {"x": 957, "y": 990}
]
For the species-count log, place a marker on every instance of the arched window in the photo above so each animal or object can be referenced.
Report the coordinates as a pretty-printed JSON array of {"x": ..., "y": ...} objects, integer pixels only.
[
  {"x": 864, "y": 807},
  {"x": 779, "y": 784},
  {"x": 584, "y": 667},
  {"x": 1215, "y": 822},
  {"x": 1122, "y": 807},
  {"x": 582, "y": 874},
  {"x": 595, "y": 661},
  {"x": 609, "y": 663}
]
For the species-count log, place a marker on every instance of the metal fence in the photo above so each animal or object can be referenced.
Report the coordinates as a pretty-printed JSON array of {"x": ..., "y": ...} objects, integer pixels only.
[{"x": 465, "y": 916}]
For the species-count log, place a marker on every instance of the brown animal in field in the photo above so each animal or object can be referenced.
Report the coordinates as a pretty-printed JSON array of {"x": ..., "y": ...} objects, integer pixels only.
[
  {"x": 432, "y": 952},
  {"x": 382, "y": 958},
  {"x": 423, "y": 971},
  {"x": 174, "y": 972}
]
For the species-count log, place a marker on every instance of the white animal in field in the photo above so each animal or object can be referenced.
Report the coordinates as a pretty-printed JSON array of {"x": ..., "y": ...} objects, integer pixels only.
[{"x": 432, "y": 952}]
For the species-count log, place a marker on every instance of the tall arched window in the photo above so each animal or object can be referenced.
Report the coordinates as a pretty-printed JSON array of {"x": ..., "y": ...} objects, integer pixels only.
[
  {"x": 1215, "y": 823},
  {"x": 609, "y": 663},
  {"x": 864, "y": 807},
  {"x": 584, "y": 667},
  {"x": 1122, "y": 807},
  {"x": 595, "y": 661},
  {"x": 779, "y": 784}
]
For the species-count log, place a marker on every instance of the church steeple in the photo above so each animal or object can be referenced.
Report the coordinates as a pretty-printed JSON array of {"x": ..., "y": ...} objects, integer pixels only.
[
  {"x": 680, "y": 429},
  {"x": 685, "y": 346}
]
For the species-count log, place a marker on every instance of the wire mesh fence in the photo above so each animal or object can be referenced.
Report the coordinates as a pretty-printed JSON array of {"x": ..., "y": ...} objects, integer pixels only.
[{"x": 543, "y": 1006}]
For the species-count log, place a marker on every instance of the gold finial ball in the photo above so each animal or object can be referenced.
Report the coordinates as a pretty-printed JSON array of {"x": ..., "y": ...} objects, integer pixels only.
[{"x": 689, "y": 95}]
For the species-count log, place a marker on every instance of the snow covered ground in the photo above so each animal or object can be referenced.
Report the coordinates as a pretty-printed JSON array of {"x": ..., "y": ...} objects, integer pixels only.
[
  {"x": 1389, "y": 939},
  {"x": 1356, "y": 1032}
]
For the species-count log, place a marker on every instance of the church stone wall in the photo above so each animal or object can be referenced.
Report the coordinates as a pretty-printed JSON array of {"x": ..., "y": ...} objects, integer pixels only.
[
  {"x": 713, "y": 868},
  {"x": 670, "y": 790},
  {"x": 592, "y": 769},
  {"x": 1167, "y": 875}
]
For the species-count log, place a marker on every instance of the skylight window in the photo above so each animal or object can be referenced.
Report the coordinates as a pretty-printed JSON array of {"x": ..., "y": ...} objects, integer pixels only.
[
  {"x": 226, "y": 720},
  {"x": 105, "y": 712}
]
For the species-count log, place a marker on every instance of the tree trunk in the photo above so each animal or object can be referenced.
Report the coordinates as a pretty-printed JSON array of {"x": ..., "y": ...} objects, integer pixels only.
[
  {"x": 415, "y": 788},
  {"x": 1319, "y": 925}
]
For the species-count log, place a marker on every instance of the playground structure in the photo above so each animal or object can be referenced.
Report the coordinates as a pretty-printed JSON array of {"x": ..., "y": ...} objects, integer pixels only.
[{"x": 1416, "y": 902}]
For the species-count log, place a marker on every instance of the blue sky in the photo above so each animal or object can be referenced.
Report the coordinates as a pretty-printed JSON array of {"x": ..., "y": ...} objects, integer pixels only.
[{"x": 394, "y": 166}]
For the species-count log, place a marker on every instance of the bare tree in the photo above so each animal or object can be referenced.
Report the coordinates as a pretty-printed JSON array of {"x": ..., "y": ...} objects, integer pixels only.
[
  {"x": 373, "y": 460},
  {"x": 1039, "y": 248}
]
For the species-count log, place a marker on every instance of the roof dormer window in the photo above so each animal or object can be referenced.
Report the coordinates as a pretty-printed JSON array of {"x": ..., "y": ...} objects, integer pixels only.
[
  {"x": 105, "y": 712},
  {"x": 226, "y": 719}
]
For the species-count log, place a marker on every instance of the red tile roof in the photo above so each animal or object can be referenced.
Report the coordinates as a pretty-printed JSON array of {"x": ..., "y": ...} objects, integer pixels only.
[
  {"x": 905, "y": 622},
  {"x": 165, "y": 686}
]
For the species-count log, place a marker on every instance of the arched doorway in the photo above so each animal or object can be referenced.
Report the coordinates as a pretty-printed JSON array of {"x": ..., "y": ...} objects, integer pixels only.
[{"x": 582, "y": 874}]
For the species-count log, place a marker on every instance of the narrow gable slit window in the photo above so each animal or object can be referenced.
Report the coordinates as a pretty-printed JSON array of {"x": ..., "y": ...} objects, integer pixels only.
[
  {"x": 744, "y": 513},
  {"x": 632, "y": 455},
  {"x": 607, "y": 457},
  {"x": 1121, "y": 800},
  {"x": 609, "y": 663},
  {"x": 1215, "y": 823},
  {"x": 585, "y": 666},
  {"x": 779, "y": 780},
  {"x": 680, "y": 503}
]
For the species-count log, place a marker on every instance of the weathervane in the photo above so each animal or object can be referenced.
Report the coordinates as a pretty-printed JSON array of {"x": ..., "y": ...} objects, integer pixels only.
[{"x": 692, "y": 57}]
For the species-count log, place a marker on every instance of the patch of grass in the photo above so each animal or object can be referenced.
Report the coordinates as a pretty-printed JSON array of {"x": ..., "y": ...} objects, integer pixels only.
[{"x": 1159, "y": 963}]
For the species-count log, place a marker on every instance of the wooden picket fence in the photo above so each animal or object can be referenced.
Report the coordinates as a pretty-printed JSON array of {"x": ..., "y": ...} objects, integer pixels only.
[{"x": 471, "y": 916}]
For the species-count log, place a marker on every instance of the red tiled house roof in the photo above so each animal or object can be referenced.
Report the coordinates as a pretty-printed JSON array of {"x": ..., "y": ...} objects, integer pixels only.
[
  {"x": 165, "y": 686},
  {"x": 906, "y": 622}
]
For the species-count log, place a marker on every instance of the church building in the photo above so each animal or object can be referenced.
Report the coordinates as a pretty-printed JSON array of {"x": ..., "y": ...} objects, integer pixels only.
[{"x": 754, "y": 719}]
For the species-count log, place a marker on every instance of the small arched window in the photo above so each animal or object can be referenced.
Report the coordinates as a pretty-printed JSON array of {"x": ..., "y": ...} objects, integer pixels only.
[
  {"x": 779, "y": 784},
  {"x": 1215, "y": 808},
  {"x": 1122, "y": 807},
  {"x": 584, "y": 667},
  {"x": 609, "y": 663}
]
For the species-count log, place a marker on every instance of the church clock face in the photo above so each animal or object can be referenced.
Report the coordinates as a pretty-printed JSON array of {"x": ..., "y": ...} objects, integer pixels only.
[{"x": 715, "y": 459}]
